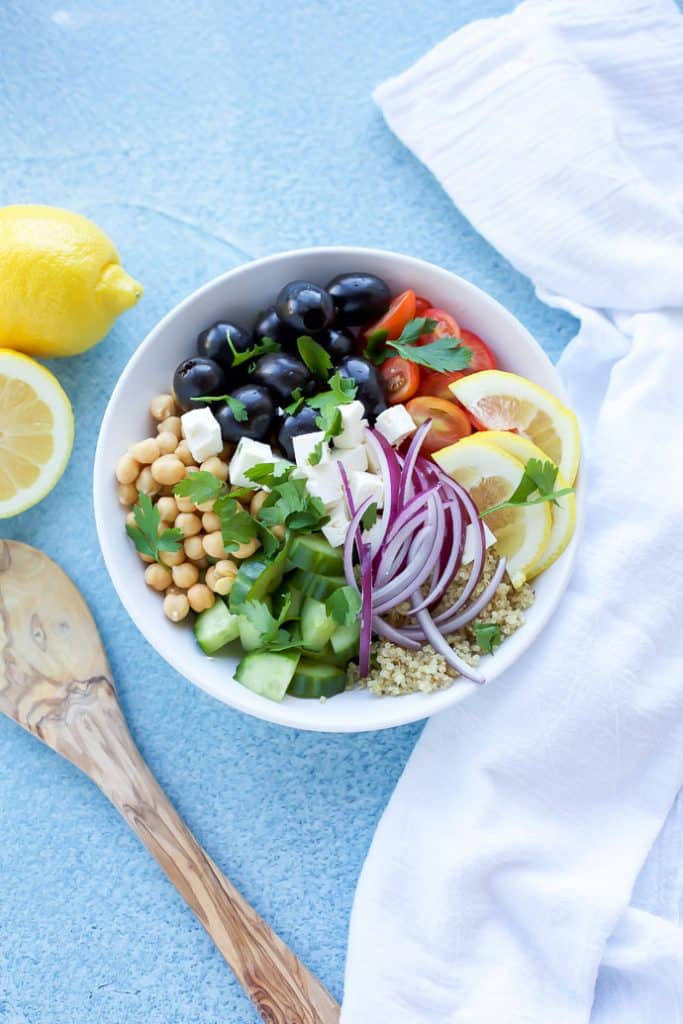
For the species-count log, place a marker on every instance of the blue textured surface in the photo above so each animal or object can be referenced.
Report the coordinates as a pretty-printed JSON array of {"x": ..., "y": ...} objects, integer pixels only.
[{"x": 199, "y": 136}]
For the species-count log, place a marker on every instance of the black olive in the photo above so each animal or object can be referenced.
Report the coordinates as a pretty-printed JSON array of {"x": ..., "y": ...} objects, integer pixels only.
[
  {"x": 289, "y": 427},
  {"x": 195, "y": 377},
  {"x": 304, "y": 307},
  {"x": 359, "y": 298},
  {"x": 281, "y": 373},
  {"x": 370, "y": 391},
  {"x": 213, "y": 343},
  {"x": 260, "y": 411},
  {"x": 338, "y": 341},
  {"x": 269, "y": 325}
]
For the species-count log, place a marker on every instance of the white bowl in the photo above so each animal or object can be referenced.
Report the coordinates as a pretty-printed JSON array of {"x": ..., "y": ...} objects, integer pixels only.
[{"x": 239, "y": 294}]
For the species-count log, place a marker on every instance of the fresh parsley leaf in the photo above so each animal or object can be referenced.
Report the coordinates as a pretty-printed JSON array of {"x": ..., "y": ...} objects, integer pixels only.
[
  {"x": 272, "y": 636},
  {"x": 268, "y": 474},
  {"x": 330, "y": 421},
  {"x": 443, "y": 354},
  {"x": 145, "y": 534},
  {"x": 535, "y": 487},
  {"x": 342, "y": 390},
  {"x": 344, "y": 605},
  {"x": 375, "y": 347},
  {"x": 316, "y": 453},
  {"x": 239, "y": 409},
  {"x": 290, "y": 505},
  {"x": 241, "y": 493},
  {"x": 369, "y": 517},
  {"x": 296, "y": 403},
  {"x": 487, "y": 635},
  {"x": 314, "y": 356},
  {"x": 199, "y": 486},
  {"x": 259, "y": 349},
  {"x": 415, "y": 328},
  {"x": 237, "y": 526}
]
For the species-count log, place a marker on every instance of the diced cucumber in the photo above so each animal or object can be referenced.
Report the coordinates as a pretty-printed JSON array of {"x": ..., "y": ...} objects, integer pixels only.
[
  {"x": 316, "y": 679},
  {"x": 316, "y": 625},
  {"x": 310, "y": 551},
  {"x": 296, "y": 599},
  {"x": 268, "y": 674},
  {"x": 216, "y": 627},
  {"x": 270, "y": 577},
  {"x": 319, "y": 587},
  {"x": 345, "y": 640},
  {"x": 247, "y": 574}
]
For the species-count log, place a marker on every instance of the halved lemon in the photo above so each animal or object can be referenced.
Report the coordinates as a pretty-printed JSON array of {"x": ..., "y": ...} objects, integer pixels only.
[
  {"x": 491, "y": 475},
  {"x": 563, "y": 513},
  {"x": 36, "y": 432},
  {"x": 505, "y": 401}
]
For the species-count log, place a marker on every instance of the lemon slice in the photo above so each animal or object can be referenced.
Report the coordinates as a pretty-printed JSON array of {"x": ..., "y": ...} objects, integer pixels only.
[
  {"x": 36, "y": 432},
  {"x": 491, "y": 475},
  {"x": 505, "y": 401},
  {"x": 563, "y": 513}
]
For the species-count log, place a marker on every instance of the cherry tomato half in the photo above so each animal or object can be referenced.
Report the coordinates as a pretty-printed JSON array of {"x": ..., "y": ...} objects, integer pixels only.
[
  {"x": 401, "y": 310},
  {"x": 421, "y": 306},
  {"x": 449, "y": 421},
  {"x": 400, "y": 379},
  {"x": 434, "y": 383},
  {"x": 447, "y": 326},
  {"x": 482, "y": 356}
]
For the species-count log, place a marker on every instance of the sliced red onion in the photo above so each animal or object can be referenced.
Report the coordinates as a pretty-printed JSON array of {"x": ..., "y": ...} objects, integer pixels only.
[
  {"x": 450, "y": 625},
  {"x": 397, "y": 636},
  {"x": 353, "y": 536},
  {"x": 444, "y": 575},
  {"x": 406, "y": 488},
  {"x": 365, "y": 612},
  {"x": 401, "y": 588},
  {"x": 390, "y": 473},
  {"x": 441, "y": 645},
  {"x": 392, "y": 555}
]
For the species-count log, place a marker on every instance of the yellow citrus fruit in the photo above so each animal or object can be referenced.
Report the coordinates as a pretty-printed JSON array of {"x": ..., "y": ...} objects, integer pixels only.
[
  {"x": 563, "y": 513},
  {"x": 492, "y": 476},
  {"x": 61, "y": 283},
  {"x": 36, "y": 432},
  {"x": 506, "y": 401}
]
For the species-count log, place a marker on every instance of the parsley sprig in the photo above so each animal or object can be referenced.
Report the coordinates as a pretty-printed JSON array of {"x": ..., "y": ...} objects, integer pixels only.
[
  {"x": 238, "y": 408},
  {"x": 272, "y": 636},
  {"x": 289, "y": 504},
  {"x": 261, "y": 347},
  {"x": 445, "y": 355},
  {"x": 535, "y": 487},
  {"x": 145, "y": 534},
  {"x": 315, "y": 357},
  {"x": 487, "y": 635}
]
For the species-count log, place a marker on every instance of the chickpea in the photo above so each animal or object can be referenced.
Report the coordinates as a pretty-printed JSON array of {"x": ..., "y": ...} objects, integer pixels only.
[
  {"x": 145, "y": 451},
  {"x": 200, "y": 597},
  {"x": 246, "y": 549},
  {"x": 194, "y": 549},
  {"x": 213, "y": 544},
  {"x": 185, "y": 575},
  {"x": 216, "y": 466},
  {"x": 146, "y": 483},
  {"x": 167, "y": 442},
  {"x": 157, "y": 577},
  {"x": 172, "y": 558},
  {"x": 183, "y": 453},
  {"x": 188, "y": 523},
  {"x": 256, "y": 502},
  {"x": 221, "y": 576},
  {"x": 127, "y": 469},
  {"x": 167, "y": 509},
  {"x": 211, "y": 577},
  {"x": 206, "y": 506},
  {"x": 168, "y": 469},
  {"x": 162, "y": 406},
  {"x": 211, "y": 522},
  {"x": 171, "y": 425},
  {"x": 145, "y": 558},
  {"x": 202, "y": 563},
  {"x": 128, "y": 494},
  {"x": 278, "y": 531},
  {"x": 176, "y": 606},
  {"x": 184, "y": 504},
  {"x": 130, "y": 519}
]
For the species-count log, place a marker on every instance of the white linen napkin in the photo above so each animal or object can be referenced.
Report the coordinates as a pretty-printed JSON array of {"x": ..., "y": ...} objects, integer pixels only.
[{"x": 508, "y": 853}]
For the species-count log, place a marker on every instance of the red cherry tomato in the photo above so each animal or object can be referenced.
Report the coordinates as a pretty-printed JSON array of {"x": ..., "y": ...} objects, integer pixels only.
[
  {"x": 400, "y": 379},
  {"x": 421, "y": 306},
  {"x": 482, "y": 356},
  {"x": 401, "y": 310},
  {"x": 447, "y": 326},
  {"x": 449, "y": 421},
  {"x": 436, "y": 384}
]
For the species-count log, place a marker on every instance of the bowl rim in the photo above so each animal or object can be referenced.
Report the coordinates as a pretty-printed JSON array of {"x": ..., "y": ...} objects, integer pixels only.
[{"x": 285, "y": 713}]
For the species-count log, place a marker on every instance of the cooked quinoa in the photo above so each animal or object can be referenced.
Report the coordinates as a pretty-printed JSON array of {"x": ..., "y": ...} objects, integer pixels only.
[{"x": 395, "y": 671}]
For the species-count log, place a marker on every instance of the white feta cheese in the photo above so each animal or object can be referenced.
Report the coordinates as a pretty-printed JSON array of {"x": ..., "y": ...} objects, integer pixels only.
[
  {"x": 352, "y": 458},
  {"x": 304, "y": 445},
  {"x": 366, "y": 485},
  {"x": 372, "y": 535},
  {"x": 324, "y": 482},
  {"x": 335, "y": 531},
  {"x": 468, "y": 547},
  {"x": 202, "y": 432},
  {"x": 353, "y": 425},
  {"x": 396, "y": 424},
  {"x": 247, "y": 454}
]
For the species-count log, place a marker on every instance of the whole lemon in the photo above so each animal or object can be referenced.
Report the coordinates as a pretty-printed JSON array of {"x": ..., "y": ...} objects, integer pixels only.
[{"x": 61, "y": 283}]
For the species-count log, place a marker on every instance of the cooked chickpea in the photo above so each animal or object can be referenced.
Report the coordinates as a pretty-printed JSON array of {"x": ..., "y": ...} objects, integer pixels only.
[
  {"x": 246, "y": 549},
  {"x": 188, "y": 523},
  {"x": 127, "y": 469},
  {"x": 145, "y": 451},
  {"x": 278, "y": 530},
  {"x": 206, "y": 506},
  {"x": 128, "y": 494},
  {"x": 167, "y": 442},
  {"x": 184, "y": 504},
  {"x": 157, "y": 577},
  {"x": 200, "y": 597},
  {"x": 172, "y": 558},
  {"x": 145, "y": 558},
  {"x": 183, "y": 453},
  {"x": 172, "y": 425},
  {"x": 167, "y": 509},
  {"x": 168, "y": 469},
  {"x": 162, "y": 406},
  {"x": 194, "y": 549},
  {"x": 215, "y": 466},
  {"x": 185, "y": 575},
  {"x": 211, "y": 522},
  {"x": 211, "y": 577},
  {"x": 213, "y": 544},
  {"x": 221, "y": 576},
  {"x": 257, "y": 502},
  {"x": 146, "y": 483},
  {"x": 176, "y": 606},
  {"x": 130, "y": 519}
]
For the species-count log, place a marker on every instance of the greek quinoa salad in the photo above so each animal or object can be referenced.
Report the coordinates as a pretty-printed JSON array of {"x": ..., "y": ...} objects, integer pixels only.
[{"x": 349, "y": 493}]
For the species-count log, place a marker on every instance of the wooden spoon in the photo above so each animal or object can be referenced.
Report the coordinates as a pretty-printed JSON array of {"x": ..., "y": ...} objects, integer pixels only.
[{"x": 55, "y": 682}]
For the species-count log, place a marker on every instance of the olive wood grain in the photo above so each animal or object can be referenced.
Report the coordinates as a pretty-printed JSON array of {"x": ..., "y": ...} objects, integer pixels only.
[{"x": 55, "y": 682}]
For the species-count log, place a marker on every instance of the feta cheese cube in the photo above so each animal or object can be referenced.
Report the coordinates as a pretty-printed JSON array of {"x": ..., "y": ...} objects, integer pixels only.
[
  {"x": 372, "y": 535},
  {"x": 468, "y": 547},
  {"x": 303, "y": 447},
  {"x": 202, "y": 432},
  {"x": 353, "y": 425},
  {"x": 366, "y": 485},
  {"x": 396, "y": 424},
  {"x": 247, "y": 454},
  {"x": 324, "y": 482},
  {"x": 352, "y": 458},
  {"x": 335, "y": 531}
]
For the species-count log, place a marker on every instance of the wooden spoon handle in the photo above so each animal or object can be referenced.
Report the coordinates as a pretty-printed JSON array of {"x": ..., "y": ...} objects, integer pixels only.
[{"x": 283, "y": 990}]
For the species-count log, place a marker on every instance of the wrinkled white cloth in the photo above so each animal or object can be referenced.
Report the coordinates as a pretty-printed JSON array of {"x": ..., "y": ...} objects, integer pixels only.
[{"x": 497, "y": 887}]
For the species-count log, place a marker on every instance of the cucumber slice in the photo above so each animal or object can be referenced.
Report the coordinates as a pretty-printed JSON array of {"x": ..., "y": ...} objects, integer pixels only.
[
  {"x": 216, "y": 627},
  {"x": 345, "y": 640},
  {"x": 316, "y": 625},
  {"x": 319, "y": 587},
  {"x": 247, "y": 574},
  {"x": 268, "y": 674},
  {"x": 269, "y": 578},
  {"x": 316, "y": 679},
  {"x": 310, "y": 551}
]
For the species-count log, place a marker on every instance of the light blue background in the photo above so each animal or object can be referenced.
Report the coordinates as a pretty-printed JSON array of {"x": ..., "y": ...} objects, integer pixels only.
[{"x": 200, "y": 135}]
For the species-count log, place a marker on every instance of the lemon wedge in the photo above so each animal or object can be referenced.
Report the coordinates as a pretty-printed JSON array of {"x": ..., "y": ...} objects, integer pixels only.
[
  {"x": 491, "y": 475},
  {"x": 505, "y": 401},
  {"x": 36, "y": 432}
]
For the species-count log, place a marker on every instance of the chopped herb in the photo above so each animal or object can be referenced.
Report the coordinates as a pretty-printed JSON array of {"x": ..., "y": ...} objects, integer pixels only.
[
  {"x": 296, "y": 403},
  {"x": 145, "y": 534},
  {"x": 268, "y": 474},
  {"x": 272, "y": 636},
  {"x": 375, "y": 348},
  {"x": 237, "y": 526},
  {"x": 260, "y": 349},
  {"x": 342, "y": 390},
  {"x": 316, "y": 453},
  {"x": 314, "y": 356},
  {"x": 239, "y": 409},
  {"x": 290, "y": 505},
  {"x": 199, "y": 486},
  {"x": 443, "y": 354},
  {"x": 241, "y": 493},
  {"x": 487, "y": 635},
  {"x": 344, "y": 605},
  {"x": 330, "y": 421},
  {"x": 369, "y": 517},
  {"x": 538, "y": 479}
]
